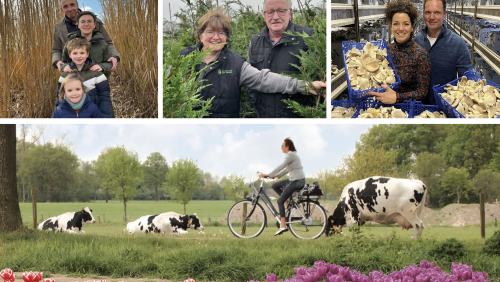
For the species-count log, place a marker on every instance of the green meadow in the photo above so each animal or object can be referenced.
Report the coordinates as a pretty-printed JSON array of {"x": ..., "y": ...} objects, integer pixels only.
[{"x": 217, "y": 255}]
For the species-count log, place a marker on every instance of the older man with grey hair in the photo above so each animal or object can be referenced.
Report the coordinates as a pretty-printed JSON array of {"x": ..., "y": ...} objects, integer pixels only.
[
  {"x": 69, "y": 24},
  {"x": 270, "y": 49}
]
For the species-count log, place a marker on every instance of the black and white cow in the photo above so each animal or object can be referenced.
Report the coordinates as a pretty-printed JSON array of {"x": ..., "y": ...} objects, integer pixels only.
[
  {"x": 165, "y": 223},
  {"x": 70, "y": 222},
  {"x": 383, "y": 200}
]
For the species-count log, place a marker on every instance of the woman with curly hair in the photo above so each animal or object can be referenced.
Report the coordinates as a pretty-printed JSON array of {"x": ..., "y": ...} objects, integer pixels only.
[{"x": 410, "y": 60}]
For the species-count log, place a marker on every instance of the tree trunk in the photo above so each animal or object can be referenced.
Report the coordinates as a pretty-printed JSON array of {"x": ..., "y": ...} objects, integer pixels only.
[
  {"x": 157, "y": 187},
  {"x": 125, "y": 208},
  {"x": 10, "y": 214},
  {"x": 106, "y": 195},
  {"x": 185, "y": 208}
]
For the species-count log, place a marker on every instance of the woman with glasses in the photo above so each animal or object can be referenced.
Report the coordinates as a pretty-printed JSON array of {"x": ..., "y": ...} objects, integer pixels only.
[
  {"x": 410, "y": 60},
  {"x": 230, "y": 71},
  {"x": 99, "y": 52}
]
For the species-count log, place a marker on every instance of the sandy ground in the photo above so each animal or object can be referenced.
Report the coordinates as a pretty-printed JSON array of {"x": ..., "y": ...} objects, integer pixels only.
[
  {"x": 460, "y": 215},
  {"x": 65, "y": 278}
]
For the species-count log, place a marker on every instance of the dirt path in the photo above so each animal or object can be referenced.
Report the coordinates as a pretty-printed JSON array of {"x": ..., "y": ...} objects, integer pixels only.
[{"x": 65, "y": 278}]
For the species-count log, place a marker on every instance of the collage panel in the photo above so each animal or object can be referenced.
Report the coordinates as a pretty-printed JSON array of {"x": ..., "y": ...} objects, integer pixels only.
[
  {"x": 102, "y": 54},
  {"x": 254, "y": 202},
  {"x": 244, "y": 59},
  {"x": 415, "y": 59}
]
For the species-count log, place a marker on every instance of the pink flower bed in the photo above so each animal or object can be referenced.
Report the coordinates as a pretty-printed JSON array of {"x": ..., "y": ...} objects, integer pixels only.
[{"x": 427, "y": 272}]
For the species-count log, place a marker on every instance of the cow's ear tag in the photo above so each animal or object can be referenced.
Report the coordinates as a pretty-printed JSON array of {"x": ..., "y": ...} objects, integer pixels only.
[{"x": 189, "y": 222}]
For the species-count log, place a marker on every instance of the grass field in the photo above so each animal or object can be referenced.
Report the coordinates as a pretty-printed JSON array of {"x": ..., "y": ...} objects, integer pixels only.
[{"x": 217, "y": 255}]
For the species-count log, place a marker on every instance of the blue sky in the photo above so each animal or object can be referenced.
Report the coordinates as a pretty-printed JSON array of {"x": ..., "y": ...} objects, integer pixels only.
[
  {"x": 176, "y": 5},
  {"x": 218, "y": 148},
  {"x": 90, "y": 5}
]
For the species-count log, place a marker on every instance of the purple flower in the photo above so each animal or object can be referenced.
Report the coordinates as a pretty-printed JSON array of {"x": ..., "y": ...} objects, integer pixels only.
[{"x": 271, "y": 277}]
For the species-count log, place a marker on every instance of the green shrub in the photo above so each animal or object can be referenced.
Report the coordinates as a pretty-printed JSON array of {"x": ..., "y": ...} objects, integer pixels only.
[
  {"x": 449, "y": 250},
  {"x": 492, "y": 244}
]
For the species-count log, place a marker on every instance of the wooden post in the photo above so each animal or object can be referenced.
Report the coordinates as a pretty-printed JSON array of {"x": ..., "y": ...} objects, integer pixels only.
[
  {"x": 128, "y": 218},
  {"x": 33, "y": 205},
  {"x": 49, "y": 215},
  {"x": 495, "y": 222},
  {"x": 244, "y": 215},
  {"x": 99, "y": 219},
  {"x": 104, "y": 218},
  {"x": 482, "y": 213},
  {"x": 209, "y": 219}
]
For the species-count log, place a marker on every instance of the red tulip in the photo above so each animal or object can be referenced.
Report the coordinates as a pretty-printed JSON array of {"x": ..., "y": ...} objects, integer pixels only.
[
  {"x": 7, "y": 275},
  {"x": 32, "y": 276},
  {"x": 189, "y": 280},
  {"x": 48, "y": 280}
]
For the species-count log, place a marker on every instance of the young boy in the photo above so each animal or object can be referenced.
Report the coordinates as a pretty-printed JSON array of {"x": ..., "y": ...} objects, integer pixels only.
[{"x": 95, "y": 82}]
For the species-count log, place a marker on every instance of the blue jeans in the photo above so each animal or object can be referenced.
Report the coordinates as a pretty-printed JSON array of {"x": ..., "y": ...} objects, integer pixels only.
[{"x": 285, "y": 189}]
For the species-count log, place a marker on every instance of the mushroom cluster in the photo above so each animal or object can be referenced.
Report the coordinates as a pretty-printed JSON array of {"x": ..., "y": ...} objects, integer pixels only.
[
  {"x": 341, "y": 112},
  {"x": 429, "y": 114},
  {"x": 473, "y": 99},
  {"x": 368, "y": 68},
  {"x": 335, "y": 70},
  {"x": 383, "y": 112}
]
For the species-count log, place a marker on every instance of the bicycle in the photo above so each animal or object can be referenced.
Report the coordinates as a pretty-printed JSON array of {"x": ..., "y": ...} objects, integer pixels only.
[{"x": 306, "y": 217}]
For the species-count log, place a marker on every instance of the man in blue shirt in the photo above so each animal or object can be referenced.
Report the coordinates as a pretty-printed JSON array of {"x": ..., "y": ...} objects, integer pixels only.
[{"x": 448, "y": 51}]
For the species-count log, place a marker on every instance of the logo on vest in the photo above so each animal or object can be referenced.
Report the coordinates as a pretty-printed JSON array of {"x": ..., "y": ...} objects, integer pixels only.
[
  {"x": 224, "y": 71},
  {"x": 291, "y": 43}
]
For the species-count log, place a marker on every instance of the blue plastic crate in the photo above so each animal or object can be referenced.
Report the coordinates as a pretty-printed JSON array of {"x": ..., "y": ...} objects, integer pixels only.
[
  {"x": 419, "y": 108},
  {"x": 406, "y": 106},
  {"x": 360, "y": 95},
  {"x": 445, "y": 106},
  {"x": 345, "y": 104}
]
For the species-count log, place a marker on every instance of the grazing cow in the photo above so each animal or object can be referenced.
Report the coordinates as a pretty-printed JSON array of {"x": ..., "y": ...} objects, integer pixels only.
[
  {"x": 383, "y": 200},
  {"x": 166, "y": 223},
  {"x": 70, "y": 222}
]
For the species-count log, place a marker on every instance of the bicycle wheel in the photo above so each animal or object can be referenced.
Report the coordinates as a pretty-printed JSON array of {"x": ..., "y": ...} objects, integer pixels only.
[
  {"x": 250, "y": 228},
  {"x": 308, "y": 221}
]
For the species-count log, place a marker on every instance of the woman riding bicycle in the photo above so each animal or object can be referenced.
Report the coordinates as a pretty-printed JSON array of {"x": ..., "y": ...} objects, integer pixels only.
[{"x": 285, "y": 188}]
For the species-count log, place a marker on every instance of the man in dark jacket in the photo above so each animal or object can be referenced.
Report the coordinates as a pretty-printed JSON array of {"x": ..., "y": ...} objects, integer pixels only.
[
  {"x": 69, "y": 24},
  {"x": 270, "y": 49},
  {"x": 447, "y": 51}
]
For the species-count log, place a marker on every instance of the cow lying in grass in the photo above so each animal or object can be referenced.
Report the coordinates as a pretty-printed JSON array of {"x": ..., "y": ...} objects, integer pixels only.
[
  {"x": 383, "y": 200},
  {"x": 165, "y": 223},
  {"x": 70, "y": 222}
]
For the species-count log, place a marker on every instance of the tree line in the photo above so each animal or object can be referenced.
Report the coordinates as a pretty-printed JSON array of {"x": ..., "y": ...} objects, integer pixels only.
[{"x": 456, "y": 162}]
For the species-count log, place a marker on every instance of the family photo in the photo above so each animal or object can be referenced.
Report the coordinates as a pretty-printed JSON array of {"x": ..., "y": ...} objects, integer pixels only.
[
  {"x": 244, "y": 59},
  {"x": 416, "y": 58},
  {"x": 65, "y": 59}
]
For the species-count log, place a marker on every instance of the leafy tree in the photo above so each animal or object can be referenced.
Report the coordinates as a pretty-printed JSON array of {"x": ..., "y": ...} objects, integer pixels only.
[
  {"x": 10, "y": 214},
  {"x": 430, "y": 168},
  {"x": 453, "y": 146},
  {"x": 456, "y": 183},
  {"x": 155, "y": 169},
  {"x": 325, "y": 180},
  {"x": 181, "y": 97},
  {"x": 121, "y": 172},
  {"x": 486, "y": 181},
  {"x": 52, "y": 169},
  {"x": 88, "y": 182},
  {"x": 234, "y": 186},
  {"x": 312, "y": 67},
  {"x": 370, "y": 162},
  {"x": 480, "y": 147},
  {"x": 182, "y": 181}
]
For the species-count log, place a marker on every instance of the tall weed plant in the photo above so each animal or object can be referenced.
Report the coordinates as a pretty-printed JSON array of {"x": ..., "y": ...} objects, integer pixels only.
[
  {"x": 133, "y": 25},
  {"x": 27, "y": 79}
]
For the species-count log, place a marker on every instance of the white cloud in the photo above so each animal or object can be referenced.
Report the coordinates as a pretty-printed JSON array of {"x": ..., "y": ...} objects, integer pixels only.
[
  {"x": 219, "y": 149},
  {"x": 86, "y": 8}
]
